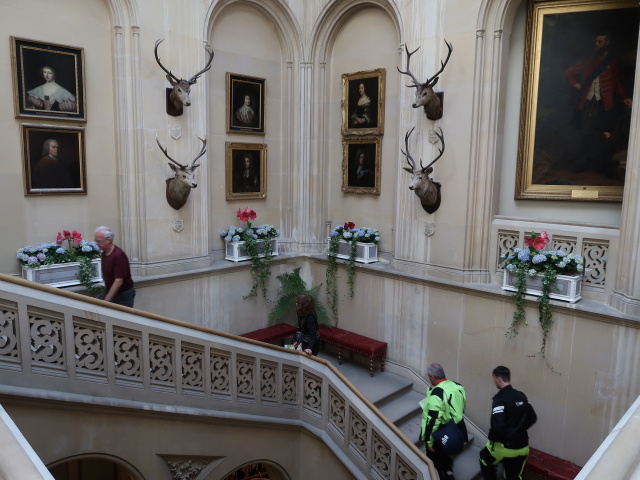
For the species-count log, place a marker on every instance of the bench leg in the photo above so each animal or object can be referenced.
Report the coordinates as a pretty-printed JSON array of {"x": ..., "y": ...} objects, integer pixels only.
[
  {"x": 372, "y": 366},
  {"x": 382, "y": 364},
  {"x": 339, "y": 355}
]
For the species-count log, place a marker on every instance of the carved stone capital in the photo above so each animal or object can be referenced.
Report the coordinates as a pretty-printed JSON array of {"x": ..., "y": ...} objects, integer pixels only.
[{"x": 185, "y": 467}]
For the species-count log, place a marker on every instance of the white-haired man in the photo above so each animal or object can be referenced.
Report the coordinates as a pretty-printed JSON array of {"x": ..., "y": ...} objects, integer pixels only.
[{"x": 115, "y": 270}]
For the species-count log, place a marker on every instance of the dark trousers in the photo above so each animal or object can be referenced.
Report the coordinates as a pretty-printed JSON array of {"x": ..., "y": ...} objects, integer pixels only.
[
  {"x": 512, "y": 460},
  {"x": 122, "y": 298},
  {"x": 442, "y": 462}
]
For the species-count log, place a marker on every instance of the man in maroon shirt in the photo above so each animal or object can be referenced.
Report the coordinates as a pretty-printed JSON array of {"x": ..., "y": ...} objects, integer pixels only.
[{"x": 115, "y": 270}]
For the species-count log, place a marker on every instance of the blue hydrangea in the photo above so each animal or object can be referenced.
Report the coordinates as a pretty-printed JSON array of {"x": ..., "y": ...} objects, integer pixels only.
[
  {"x": 224, "y": 233},
  {"x": 347, "y": 235},
  {"x": 277, "y": 233},
  {"x": 562, "y": 265},
  {"x": 239, "y": 230},
  {"x": 334, "y": 233},
  {"x": 511, "y": 268},
  {"x": 523, "y": 255},
  {"x": 236, "y": 238},
  {"x": 532, "y": 272},
  {"x": 61, "y": 251},
  {"x": 86, "y": 249},
  {"x": 377, "y": 239},
  {"x": 250, "y": 232},
  {"x": 41, "y": 257},
  {"x": 32, "y": 260},
  {"x": 228, "y": 238},
  {"x": 579, "y": 267},
  {"x": 539, "y": 258}
]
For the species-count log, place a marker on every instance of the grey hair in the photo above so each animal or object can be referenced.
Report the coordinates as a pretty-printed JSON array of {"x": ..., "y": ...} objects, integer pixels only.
[
  {"x": 45, "y": 146},
  {"x": 108, "y": 233},
  {"x": 435, "y": 370}
]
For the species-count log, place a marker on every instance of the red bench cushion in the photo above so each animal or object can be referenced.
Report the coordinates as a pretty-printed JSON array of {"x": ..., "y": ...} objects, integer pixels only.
[
  {"x": 353, "y": 341},
  {"x": 272, "y": 333}
]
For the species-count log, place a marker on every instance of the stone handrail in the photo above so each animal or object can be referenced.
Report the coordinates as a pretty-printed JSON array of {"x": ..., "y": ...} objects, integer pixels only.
[{"x": 61, "y": 341}]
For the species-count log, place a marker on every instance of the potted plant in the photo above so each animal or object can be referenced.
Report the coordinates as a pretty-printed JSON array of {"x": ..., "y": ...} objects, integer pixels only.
[
  {"x": 536, "y": 271},
  {"x": 57, "y": 265},
  {"x": 354, "y": 245},
  {"x": 256, "y": 243},
  {"x": 292, "y": 285}
]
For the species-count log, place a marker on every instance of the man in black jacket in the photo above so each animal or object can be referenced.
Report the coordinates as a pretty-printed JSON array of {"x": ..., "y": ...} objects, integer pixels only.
[{"x": 511, "y": 416}]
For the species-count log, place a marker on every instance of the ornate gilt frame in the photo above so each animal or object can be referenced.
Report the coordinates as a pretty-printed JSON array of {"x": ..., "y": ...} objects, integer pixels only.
[
  {"x": 351, "y": 147},
  {"x": 374, "y": 82},
  {"x": 234, "y": 168},
  {"x": 551, "y": 147}
]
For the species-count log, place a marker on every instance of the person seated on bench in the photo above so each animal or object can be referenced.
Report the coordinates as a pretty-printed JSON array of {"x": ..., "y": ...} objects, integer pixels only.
[{"x": 308, "y": 333}]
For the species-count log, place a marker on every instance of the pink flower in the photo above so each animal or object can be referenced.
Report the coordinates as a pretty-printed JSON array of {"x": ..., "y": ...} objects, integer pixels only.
[
  {"x": 349, "y": 225},
  {"x": 59, "y": 239},
  {"x": 536, "y": 241},
  {"x": 246, "y": 214},
  {"x": 77, "y": 238},
  {"x": 67, "y": 234}
]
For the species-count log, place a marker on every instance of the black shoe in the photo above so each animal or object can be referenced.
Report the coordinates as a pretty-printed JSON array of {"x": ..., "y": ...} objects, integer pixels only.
[{"x": 449, "y": 476}]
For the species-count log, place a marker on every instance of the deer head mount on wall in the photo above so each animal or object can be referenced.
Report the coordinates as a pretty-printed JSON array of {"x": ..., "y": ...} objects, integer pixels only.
[
  {"x": 180, "y": 94},
  {"x": 425, "y": 96},
  {"x": 179, "y": 187},
  {"x": 427, "y": 190}
]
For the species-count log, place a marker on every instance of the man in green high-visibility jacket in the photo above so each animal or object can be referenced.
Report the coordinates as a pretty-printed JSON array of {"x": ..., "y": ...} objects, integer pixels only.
[{"x": 445, "y": 400}]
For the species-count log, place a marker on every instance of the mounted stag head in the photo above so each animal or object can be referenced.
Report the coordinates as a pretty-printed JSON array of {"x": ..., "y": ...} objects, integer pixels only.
[
  {"x": 427, "y": 190},
  {"x": 180, "y": 95},
  {"x": 425, "y": 96},
  {"x": 179, "y": 187}
]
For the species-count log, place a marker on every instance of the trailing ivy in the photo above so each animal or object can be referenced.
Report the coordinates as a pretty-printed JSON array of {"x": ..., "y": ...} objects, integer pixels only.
[
  {"x": 85, "y": 274},
  {"x": 260, "y": 253},
  {"x": 331, "y": 286}
]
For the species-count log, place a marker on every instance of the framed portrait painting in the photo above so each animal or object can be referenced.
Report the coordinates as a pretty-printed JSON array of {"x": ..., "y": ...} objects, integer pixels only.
[
  {"x": 363, "y": 102},
  {"x": 580, "y": 61},
  {"x": 361, "y": 164},
  {"x": 53, "y": 160},
  {"x": 245, "y": 104},
  {"x": 48, "y": 80},
  {"x": 246, "y": 171}
]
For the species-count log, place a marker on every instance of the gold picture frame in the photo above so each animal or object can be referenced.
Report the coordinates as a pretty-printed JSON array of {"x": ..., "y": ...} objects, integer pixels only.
[
  {"x": 363, "y": 102},
  {"x": 48, "y": 80},
  {"x": 572, "y": 143},
  {"x": 245, "y": 104},
  {"x": 246, "y": 171},
  {"x": 361, "y": 164},
  {"x": 53, "y": 160}
]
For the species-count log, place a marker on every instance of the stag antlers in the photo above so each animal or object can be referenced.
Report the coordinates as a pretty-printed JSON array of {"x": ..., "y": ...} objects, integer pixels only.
[
  {"x": 427, "y": 190},
  {"x": 425, "y": 96},
  {"x": 179, "y": 187},
  {"x": 180, "y": 95}
]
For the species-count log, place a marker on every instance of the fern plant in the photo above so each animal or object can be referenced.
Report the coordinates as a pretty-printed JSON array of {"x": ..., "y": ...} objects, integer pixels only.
[{"x": 292, "y": 285}]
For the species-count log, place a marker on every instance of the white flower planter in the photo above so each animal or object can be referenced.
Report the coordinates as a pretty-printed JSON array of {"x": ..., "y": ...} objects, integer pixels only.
[
  {"x": 61, "y": 274},
  {"x": 568, "y": 287},
  {"x": 235, "y": 251},
  {"x": 365, "y": 252}
]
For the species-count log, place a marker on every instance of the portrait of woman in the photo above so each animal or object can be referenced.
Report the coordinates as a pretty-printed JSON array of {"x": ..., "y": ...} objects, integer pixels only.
[
  {"x": 48, "y": 80},
  {"x": 363, "y": 102},
  {"x": 245, "y": 114},
  {"x": 50, "y": 95},
  {"x": 361, "y": 117}
]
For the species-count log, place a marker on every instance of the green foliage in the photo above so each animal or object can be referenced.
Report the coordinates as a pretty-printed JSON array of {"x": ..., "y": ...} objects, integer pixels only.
[
  {"x": 260, "y": 253},
  {"x": 331, "y": 287},
  {"x": 85, "y": 273},
  {"x": 292, "y": 285}
]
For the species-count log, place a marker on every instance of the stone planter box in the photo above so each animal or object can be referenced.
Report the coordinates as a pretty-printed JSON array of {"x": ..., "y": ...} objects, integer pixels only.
[
  {"x": 61, "y": 274},
  {"x": 365, "y": 252},
  {"x": 568, "y": 287},
  {"x": 235, "y": 251}
]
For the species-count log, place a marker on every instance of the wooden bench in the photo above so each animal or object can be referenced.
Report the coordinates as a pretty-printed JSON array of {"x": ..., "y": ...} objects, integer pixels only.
[
  {"x": 353, "y": 342},
  {"x": 273, "y": 333}
]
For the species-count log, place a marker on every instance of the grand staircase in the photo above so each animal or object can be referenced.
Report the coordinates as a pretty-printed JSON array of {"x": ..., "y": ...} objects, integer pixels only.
[{"x": 396, "y": 399}]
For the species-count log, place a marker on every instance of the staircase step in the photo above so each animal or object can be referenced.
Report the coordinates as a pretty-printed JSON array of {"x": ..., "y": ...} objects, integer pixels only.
[
  {"x": 380, "y": 388},
  {"x": 466, "y": 466},
  {"x": 411, "y": 429},
  {"x": 403, "y": 408}
]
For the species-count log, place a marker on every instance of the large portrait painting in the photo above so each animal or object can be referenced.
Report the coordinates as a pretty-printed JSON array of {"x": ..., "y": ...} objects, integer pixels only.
[
  {"x": 53, "y": 160},
  {"x": 580, "y": 62},
  {"x": 361, "y": 165},
  {"x": 48, "y": 80},
  {"x": 245, "y": 104},
  {"x": 363, "y": 102},
  {"x": 246, "y": 171}
]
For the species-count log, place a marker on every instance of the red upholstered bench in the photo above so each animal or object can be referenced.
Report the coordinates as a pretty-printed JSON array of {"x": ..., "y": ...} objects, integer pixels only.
[
  {"x": 353, "y": 342},
  {"x": 549, "y": 467},
  {"x": 273, "y": 333}
]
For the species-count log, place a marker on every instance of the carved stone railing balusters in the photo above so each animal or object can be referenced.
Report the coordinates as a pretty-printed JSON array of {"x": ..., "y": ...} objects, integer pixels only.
[
  {"x": 46, "y": 334},
  {"x": 89, "y": 343},
  {"x": 192, "y": 369},
  {"x": 507, "y": 241},
  {"x": 596, "y": 254},
  {"x": 9, "y": 352},
  {"x": 112, "y": 356}
]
